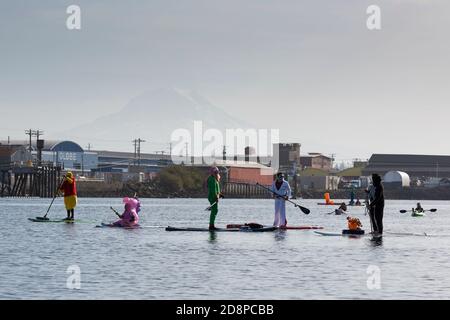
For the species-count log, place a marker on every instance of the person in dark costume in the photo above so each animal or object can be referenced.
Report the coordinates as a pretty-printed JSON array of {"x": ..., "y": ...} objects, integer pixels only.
[{"x": 376, "y": 204}]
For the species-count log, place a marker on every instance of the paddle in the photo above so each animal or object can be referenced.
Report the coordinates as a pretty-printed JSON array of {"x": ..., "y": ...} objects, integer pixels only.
[
  {"x": 209, "y": 208},
  {"x": 431, "y": 210},
  {"x": 221, "y": 196},
  {"x": 305, "y": 210},
  {"x": 118, "y": 214},
  {"x": 51, "y": 203}
]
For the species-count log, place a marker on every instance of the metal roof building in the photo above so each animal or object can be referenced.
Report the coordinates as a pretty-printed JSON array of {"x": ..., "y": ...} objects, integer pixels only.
[{"x": 414, "y": 165}]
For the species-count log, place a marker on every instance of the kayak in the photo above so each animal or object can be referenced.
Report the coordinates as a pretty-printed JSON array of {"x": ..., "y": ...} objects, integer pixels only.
[
  {"x": 237, "y": 225},
  {"x": 243, "y": 229},
  {"x": 110, "y": 225},
  {"x": 418, "y": 214}
]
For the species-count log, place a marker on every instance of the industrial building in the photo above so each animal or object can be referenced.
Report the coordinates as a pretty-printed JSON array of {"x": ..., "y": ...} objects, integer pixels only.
[
  {"x": 316, "y": 161},
  {"x": 115, "y": 161},
  {"x": 67, "y": 154},
  {"x": 416, "y": 166},
  {"x": 288, "y": 155}
]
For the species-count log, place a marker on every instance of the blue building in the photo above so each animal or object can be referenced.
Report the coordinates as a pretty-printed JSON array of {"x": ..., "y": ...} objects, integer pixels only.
[{"x": 70, "y": 155}]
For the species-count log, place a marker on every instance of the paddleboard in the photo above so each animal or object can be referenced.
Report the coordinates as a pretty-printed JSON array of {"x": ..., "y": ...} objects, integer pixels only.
[
  {"x": 237, "y": 225},
  {"x": 339, "y": 203},
  {"x": 109, "y": 225},
  {"x": 340, "y": 234},
  {"x": 53, "y": 220},
  {"x": 243, "y": 229}
]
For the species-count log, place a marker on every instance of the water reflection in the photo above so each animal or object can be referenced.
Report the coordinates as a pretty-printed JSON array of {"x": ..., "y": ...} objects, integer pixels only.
[
  {"x": 280, "y": 235},
  {"x": 376, "y": 241},
  {"x": 212, "y": 237}
]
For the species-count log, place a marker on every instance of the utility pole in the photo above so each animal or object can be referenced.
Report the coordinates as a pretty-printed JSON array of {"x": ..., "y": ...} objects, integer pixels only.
[
  {"x": 30, "y": 134},
  {"x": 137, "y": 150},
  {"x": 186, "y": 152},
  {"x": 135, "y": 153},
  {"x": 33, "y": 133},
  {"x": 89, "y": 147},
  {"x": 38, "y": 133}
]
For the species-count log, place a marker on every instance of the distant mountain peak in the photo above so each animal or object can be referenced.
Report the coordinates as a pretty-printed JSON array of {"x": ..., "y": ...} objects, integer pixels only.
[{"x": 153, "y": 116}]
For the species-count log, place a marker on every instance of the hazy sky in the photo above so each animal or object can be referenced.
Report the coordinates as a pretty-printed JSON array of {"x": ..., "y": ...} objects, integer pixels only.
[{"x": 310, "y": 68}]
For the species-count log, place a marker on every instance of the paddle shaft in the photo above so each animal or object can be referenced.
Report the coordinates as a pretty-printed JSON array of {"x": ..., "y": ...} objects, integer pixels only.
[
  {"x": 209, "y": 208},
  {"x": 56, "y": 194},
  {"x": 118, "y": 214},
  {"x": 405, "y": 211},
  {"x": 305, "y": 210}
]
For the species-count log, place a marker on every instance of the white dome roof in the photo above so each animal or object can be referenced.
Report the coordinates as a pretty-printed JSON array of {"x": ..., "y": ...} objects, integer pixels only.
[{"x": 397, "y": 177}]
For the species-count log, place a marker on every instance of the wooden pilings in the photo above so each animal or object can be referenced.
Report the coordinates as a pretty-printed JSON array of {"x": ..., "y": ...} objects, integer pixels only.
[
  {"x": 40, "y": 181},
  {"x": 245, "y": 190}
]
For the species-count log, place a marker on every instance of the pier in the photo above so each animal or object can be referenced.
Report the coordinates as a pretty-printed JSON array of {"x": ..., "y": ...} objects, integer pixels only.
[{"x": 29, "y": 181}]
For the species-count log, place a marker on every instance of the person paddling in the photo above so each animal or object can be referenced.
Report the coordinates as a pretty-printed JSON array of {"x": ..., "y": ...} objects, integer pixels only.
[
  {"x": 69, "y": 189},
  {"x": 342, "y": 209},
  {"x": 376, "y": 204},
  {"x": 213, "y": 183},
  {"x": 419, "y": 208},
  {"x": 283, "y": 190},
  {"x": 129, "y": 218}
]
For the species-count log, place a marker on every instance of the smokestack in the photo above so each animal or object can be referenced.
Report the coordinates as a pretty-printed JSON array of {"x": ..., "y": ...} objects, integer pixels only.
[{"x": 39, "y": 146}]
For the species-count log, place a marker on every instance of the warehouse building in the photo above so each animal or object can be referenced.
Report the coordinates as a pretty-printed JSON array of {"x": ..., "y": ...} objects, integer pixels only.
[{"x": 416, "y": 166}]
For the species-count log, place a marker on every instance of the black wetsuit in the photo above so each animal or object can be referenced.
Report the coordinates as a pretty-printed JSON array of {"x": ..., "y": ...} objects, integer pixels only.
[{"x": 377, "y": 209}]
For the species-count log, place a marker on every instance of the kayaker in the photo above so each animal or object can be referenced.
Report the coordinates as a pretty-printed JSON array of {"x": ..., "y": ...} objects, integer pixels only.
[
  {"x": 69, "y": 189},
  {"x": 129, "y": 218},
  {"x": 214, "y": 195},
  {"x": 283, "y": 190},
  {"x": 419, "y": 208},
  {"x": 376, "y": 204}
]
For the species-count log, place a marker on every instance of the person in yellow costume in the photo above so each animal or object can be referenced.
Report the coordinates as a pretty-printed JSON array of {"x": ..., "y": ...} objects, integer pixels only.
[{"x": 69, "y": 189}]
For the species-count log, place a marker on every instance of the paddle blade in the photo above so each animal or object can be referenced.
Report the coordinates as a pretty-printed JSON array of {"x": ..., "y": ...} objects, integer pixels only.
[
  {"x": 305, "y": 210},
  {"x": 433, "y": 210},
  {"x": 403, "y": 211},
  {"x": 42, "y": 218}
]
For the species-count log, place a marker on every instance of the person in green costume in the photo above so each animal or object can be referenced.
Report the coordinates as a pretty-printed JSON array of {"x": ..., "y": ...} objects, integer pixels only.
[{"x": 213, "y": 195}]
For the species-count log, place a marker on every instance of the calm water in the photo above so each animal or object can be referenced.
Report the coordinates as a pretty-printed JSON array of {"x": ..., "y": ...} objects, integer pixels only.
[{"x": 151, "y": 263}]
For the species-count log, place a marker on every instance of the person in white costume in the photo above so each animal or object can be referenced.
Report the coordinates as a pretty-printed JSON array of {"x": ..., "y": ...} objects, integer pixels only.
[{"x": 282, "y": 192}]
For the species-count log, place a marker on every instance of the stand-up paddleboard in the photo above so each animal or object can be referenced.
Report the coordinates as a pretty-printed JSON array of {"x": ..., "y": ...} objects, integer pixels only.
[
  {"x": 110, "y": 225},
  {"x": 339, "y": 203},
  {"x": 300, "y": 228},
  {"x": 237, "y": 225},
  {"x": 55, "y": 220},
  {"x": 345, "y": 233},
  {"x": 243, "y": 229}
]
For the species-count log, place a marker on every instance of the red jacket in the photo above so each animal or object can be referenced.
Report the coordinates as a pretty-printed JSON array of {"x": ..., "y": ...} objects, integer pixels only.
[{"x": 69, "y": 189}]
